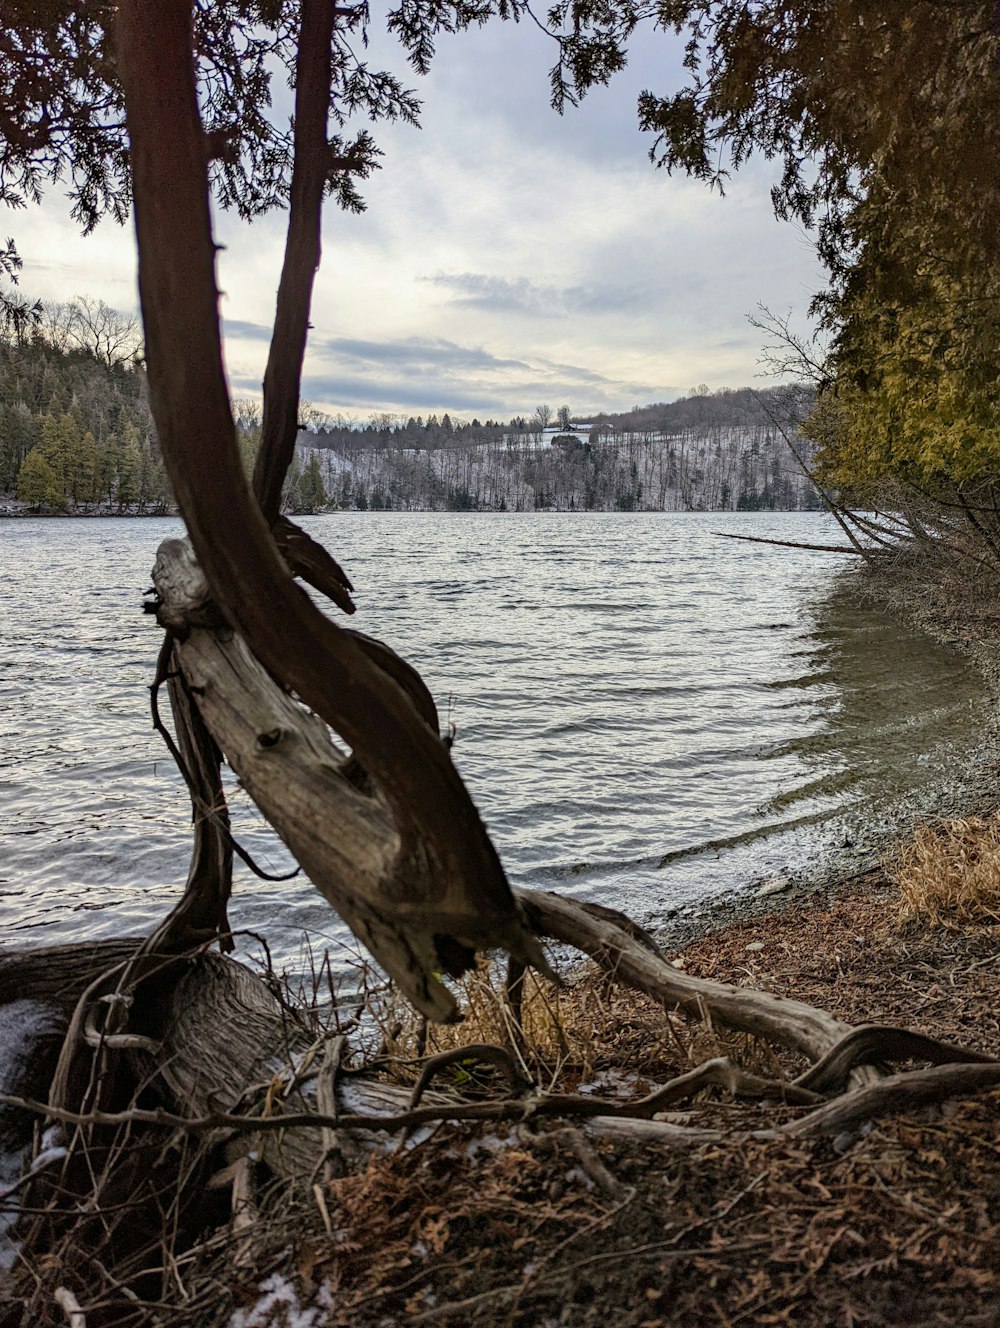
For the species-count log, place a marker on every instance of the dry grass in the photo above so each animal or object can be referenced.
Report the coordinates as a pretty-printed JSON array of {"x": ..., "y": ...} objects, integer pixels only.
[
  {"x": 590, "y": 1032},
  {"x": 949, "y": 875},
  {"x": 502, "y": 1227}
]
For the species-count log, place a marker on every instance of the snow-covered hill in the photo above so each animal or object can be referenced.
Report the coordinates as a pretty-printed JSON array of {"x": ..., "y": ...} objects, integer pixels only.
[{"x": 712, "y": 467}]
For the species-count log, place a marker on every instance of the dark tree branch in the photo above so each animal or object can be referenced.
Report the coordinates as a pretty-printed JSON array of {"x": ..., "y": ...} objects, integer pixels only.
[
  {"x": 201, "y": 913},
  {"x": 789, "y": 544},
  {"x": 312, "y": 563},
  {"x": 302, "y": 256},
  {"x": 445, "y": 857}
]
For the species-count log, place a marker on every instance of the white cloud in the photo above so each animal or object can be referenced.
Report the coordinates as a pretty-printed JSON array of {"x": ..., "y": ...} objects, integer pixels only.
[{"x": 542, "y": 257}]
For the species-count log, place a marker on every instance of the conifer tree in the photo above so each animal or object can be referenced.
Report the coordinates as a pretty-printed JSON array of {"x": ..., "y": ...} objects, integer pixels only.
[{"x": 37, "y": 483}]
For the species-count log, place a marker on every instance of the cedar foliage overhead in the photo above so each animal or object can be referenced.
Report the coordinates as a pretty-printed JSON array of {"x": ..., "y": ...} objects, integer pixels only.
[
  {"x": 885, "y": 130},
  {"x": 885, "y": 121}
]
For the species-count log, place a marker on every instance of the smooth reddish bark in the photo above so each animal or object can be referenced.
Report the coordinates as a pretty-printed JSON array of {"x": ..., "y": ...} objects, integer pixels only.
[
  {"x": 282, "y": 377},
  {"x": 446, "y": 851}
]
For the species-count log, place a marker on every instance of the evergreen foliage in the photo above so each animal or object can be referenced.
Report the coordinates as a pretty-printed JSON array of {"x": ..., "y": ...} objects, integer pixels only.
[
  {"x": 886, "y": 121},
  {"x": 82, "y": 428},
  {"x": 885, "y": 124}
]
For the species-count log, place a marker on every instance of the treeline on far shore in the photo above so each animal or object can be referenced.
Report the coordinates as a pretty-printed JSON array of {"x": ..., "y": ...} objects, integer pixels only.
[
  {"x": 77, "y": 437},
  {"x": 729, "y": 450},
  {"x": 76, "y": 432}
]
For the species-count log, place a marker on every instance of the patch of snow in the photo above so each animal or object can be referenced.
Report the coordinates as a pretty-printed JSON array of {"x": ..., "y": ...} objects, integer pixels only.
[
  {"x": 21, "y": 1025},
  {"x": 490, "y": 1143},
  {"x": 279, "y": 1307},
  {"x": 577, "y": 1177},
  {"x": 11, "y": 1169},
  {"x": 611, "y": 1083}
]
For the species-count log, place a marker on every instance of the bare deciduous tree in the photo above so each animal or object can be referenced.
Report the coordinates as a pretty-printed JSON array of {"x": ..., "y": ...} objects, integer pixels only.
[{"x": 110, "y": 335}]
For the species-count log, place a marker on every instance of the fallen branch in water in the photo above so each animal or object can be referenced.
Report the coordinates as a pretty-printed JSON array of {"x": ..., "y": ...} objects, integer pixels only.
[{"x": 794, "y": 544}]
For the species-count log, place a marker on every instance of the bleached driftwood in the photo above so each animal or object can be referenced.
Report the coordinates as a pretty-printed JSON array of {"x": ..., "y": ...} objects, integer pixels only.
[
  {"x": 789, "y": 1023},
  {"x": 415, "y": 918}
]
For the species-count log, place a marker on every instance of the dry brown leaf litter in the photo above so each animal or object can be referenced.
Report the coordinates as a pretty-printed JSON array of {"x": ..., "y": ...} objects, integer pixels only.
[
  {"x": 504, "y": 1226},
  {"x": 899, "y": 1225}
]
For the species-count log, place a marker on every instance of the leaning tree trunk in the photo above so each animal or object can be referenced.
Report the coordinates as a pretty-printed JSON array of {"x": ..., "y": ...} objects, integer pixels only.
[{"x": 443, "y": 858}]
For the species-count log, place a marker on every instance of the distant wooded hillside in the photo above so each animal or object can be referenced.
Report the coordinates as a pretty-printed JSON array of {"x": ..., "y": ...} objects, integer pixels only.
[
  {"x": 76, "y": 433},
  {"x": 77, "y": 436},
  {"x": 714, "y": 452}
]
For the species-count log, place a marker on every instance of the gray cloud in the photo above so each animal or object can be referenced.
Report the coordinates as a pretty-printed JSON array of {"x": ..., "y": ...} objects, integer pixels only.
[
  {"x": 414, "y": 376},
  {"x": 498, "y": 77},
  {"x": 239, "y": 329},
  {"x": 416, "y": 355},
  {"x": 363, "y": 395},
  {"x": 478, "y": 290}
]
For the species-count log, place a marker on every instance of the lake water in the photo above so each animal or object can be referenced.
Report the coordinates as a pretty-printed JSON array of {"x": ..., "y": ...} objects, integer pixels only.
[{"x": 647, "y": 714}]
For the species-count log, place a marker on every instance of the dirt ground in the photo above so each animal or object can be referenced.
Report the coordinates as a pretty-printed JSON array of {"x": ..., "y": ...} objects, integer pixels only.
[{"x": 537, "y": 1225}]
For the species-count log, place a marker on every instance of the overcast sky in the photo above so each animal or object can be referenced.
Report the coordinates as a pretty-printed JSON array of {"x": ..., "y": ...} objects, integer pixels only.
[{"x": 508, "y": 256}]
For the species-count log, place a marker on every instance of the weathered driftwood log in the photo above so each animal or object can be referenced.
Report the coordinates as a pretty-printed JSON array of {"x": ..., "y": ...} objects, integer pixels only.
[
  {"x": 804, "y": 1028},
  {"x": 416, "y": 921},
  {"x": 58, "y": 975},
  {"x": 220, "y": 1050},
  {"x": 227, "y": 1043},
  {"x": 223, "y": 1042}
]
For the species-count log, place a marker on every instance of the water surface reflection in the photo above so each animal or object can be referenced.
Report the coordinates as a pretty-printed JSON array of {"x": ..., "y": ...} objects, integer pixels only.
[{"x": 646, "y": 713}]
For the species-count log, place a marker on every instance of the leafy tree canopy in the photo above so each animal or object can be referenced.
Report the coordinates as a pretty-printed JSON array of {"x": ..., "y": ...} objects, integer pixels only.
[
  {"x": 886, "y": 122},
  {"x": 841, "y": 92},
  {"x": 886, "y": 125}
]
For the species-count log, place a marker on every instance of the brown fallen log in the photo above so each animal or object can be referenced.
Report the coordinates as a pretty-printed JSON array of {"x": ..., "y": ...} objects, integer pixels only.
[
  {"x": 58, "y": 975},
  {"x": 227, "y": 1043},
  {"x": 223, "y": 1042},
  {"x": 223, "y": 1052}
]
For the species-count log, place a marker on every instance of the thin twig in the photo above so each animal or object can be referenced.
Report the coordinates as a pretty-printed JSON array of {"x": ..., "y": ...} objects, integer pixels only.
[
  {"x": 208, "y": 812},
  {"x": 895, "y": 1092},
  {"x": 476, "y": 1051}
]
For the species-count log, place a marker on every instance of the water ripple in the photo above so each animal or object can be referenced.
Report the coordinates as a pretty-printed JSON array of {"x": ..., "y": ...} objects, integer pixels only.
[{"x": 645, "y": 712}]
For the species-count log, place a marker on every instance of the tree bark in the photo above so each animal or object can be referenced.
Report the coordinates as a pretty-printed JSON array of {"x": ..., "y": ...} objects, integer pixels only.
[
  {"x": 200, "y": 914},
  {"x": 445, "y": 858},
  {"x": 343, "y": 836},
  {"x": 302, "y": 255},
  {"x": 803, "y": 1028}
]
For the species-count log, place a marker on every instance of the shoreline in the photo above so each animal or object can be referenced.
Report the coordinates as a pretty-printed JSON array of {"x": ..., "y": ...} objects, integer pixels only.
[
  {"x": 837, "y": 870},
  {"x": 25, "y": 513},
  {"x": 561, "y": 1224}
]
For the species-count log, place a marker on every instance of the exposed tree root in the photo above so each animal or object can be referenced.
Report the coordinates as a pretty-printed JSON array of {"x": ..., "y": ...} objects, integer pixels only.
[
  {"x": 248, "y": 1089},
  {"x": 225, "y": 1042},
  {"x": 803, "y": 1028}
]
